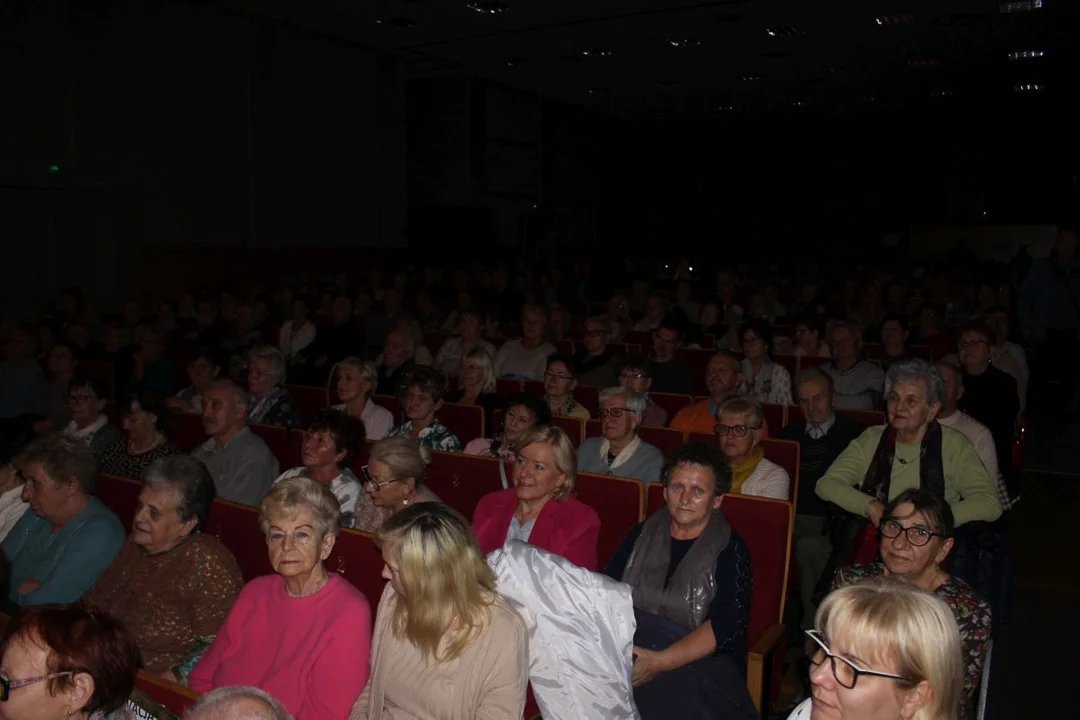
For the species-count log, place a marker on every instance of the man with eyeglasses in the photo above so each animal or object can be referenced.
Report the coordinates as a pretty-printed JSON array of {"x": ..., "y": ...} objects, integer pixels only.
[
  {"x": 619, "y": 451},
  {"x": 634, "y": 372},
  {"x": 670, "y": 375},
  {"x": 594, "y": 360},
  {"x": 723, "y": 375}
]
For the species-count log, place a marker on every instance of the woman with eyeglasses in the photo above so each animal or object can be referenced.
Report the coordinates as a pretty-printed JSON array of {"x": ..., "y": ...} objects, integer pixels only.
[
  {"x": 537, "y": 508},
  {"x": 394, "y": 479},
  {"x": 739, "y": 429},
  {"x": 524, "y": 412},
  {"x": 883, "y": 650},
  {"x": 271, "y": 404},
  {"x": 86, "y": 400},
  {"x": 560, "y": 379},
  {"x": 763, "y": 379},
  {"x": 620, "y": 451},
  {"x": 916, "y": 537},
  {"x": 203, "y": 368},
  {"x": 330, "y": 445},
  {"x": 66, "y": 662}
]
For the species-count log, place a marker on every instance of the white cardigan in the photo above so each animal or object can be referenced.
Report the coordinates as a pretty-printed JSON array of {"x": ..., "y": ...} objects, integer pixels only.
[{"x": 768, "y": 480}]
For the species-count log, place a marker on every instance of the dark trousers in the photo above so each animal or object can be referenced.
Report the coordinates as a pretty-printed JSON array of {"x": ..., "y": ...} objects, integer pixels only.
[
  {"x": 983, "y": 558},
  {"x": 1054, "y": 373}
]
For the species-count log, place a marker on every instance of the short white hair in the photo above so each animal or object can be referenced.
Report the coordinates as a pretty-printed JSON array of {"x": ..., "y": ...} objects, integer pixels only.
[
  {"x": 635, "y": 402},
  {"x": 273, "y": 357},
  {"x": 218, "y": 705}
]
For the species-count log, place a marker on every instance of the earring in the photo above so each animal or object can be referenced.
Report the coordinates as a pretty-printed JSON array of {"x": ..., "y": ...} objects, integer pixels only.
[{"x": 405, "y": 502}]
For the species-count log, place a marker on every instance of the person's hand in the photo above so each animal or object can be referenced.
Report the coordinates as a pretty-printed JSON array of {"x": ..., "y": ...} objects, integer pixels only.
[
  {"x": 874, "y": 511},
  {"x": 647, "y": 665},
  {"x": 29, "y": 586}
]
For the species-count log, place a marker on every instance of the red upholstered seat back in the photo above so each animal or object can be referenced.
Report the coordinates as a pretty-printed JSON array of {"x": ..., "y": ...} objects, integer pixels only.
[
  {"x": 309, "y": 400},
  {"x": 665, "y": 439},
  {"x": 698, "y": 360},
  {"x": 812, "y": 361},
  {"x": 654, "y": 498},
  {"x": 671, "y": 402},
  {"x": 465, "y": 421},
  {"x": 356, "y": 557},
  {"x": 392, "y": 404},
  {"x": 788, "y": 362},
  {"x": 187, "y": 431},
  {"x": 618, "y": 502},
  {"x": 786, "y": 454},
  {"x": 282, "y": 444},
  {"x": 120, "y": 495},
  {"x": 237, "y": 527},
  {"x": 765, "y": 525},
  {"x": 774, "y": 415},
  {"x": 461, "y": 480},
  {"x": 505, "y": 387}
]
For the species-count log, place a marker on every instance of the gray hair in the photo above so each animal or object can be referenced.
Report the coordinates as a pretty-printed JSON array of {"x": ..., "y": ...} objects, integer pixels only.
[
  {"x": 810, "y": 374},
  {"x": 915, "y": 370},
  {"x": 635, "y": 402},
  {"x": 239, "y": 395},
  {"x": 271, "y": 355},
  {"x": 289, "y": 495},
  {"x": 751, "y": 407},
  {"x": 216, "y": 705},
  {"x": 368, "y": 370},
  {"x": 191, "y": 481}
]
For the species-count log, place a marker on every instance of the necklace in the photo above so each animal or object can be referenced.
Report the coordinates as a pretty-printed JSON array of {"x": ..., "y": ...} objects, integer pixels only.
[{"x": 158, "y": 439}]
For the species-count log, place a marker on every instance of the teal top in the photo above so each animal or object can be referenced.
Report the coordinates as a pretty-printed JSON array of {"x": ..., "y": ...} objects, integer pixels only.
[{"x": 67, "y": 562}]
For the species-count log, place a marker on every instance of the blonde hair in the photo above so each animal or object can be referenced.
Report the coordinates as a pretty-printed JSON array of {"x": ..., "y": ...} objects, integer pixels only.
[
  {"x": 288, "y": 496},
  {"x": 563, "y": 450},
  {"x": 404, "y": 458},
  {"x": 445, "y": 576},
  {"x": 891, "y": 621},
  {"x": 480, "y": 357}
]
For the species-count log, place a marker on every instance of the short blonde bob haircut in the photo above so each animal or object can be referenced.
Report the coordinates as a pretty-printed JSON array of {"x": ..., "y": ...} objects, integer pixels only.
[
  {"x": 562, "y": 448},
  {"x": 288, "y": 496},
  {"x": 445, "y": 575},
  {"x": 479, "y": 357},
  {"x": 900, "y": 629}
]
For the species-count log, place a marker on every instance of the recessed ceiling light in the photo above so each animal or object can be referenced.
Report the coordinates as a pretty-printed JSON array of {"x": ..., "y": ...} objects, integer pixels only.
[
  {"x": 923, "y": 63},
  {"x": 869, "y": 97},
  {"x": 683, "y": 42},
  {"x": 724, "y": 107},
  {"x": 597, "y": 90},
  {"x": 516, "y": 61},
  {"x": 830, "y": 70},
  {"x": 1020, "y": 6},
  {"x": 797, "y": 103},
  {"x": 667, "y": 83},
  {"x": 1029, "y": 87},
  {"x": 749, "y": 78},
  {"x": 596, "y": 53},
  {"x": 894, "y": 19},
  {"x": 488, "y": 7},
  {"x": 401, "y": 23},
  {"x": 786, "y": 31},
  {"x": 1026, "y": 54},
  {"x": 941, "y": 93}
]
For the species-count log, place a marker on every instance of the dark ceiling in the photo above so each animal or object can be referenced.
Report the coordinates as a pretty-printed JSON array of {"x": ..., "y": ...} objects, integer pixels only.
[{"x": 672, "y": 59}]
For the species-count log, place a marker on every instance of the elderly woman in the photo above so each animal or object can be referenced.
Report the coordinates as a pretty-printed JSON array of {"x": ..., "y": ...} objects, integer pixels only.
[
  {"x": 912, "y": 451},
  {"x": 893, "y": 654},
  {"x": 763, "y": 379},
  {"x": 203, "y": 368},
  {"x": 537, "y": 508},
  {"x": 356, "y": 380},
  {"x": 560, "y": 379},
  {"x": 55, "y": 553},
  {"x": 524, "y": 412},
  {"x": 423, "y": 399},
  {"x": 452, "y": 354},
  {"x": 67, "y": 663},
  {"x": 87, "y": 398},
  {"x": 446, "y": 644},
  {"x": 688, "y": 551},
  {"x": 171, "y": 584},
  {"x": 620, "y": 451},
  {"x": 916, "y": 536},
  {"x": 271, "y": 404},
  {"x": 303, "y": 634},
  {"x": 739, "y": 430},
  {"x": 332, "y": 442},
  {"x": 525, "y": 359},
  {"x": 144, "y": 417},
  {"x": 393, "y": 479}
]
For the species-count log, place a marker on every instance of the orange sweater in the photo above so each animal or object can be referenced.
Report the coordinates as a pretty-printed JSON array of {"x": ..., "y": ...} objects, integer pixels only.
[{"x": 698, "y": 418}]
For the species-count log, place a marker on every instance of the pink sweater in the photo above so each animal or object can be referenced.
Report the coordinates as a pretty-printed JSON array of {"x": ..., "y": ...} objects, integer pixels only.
[{"x": 312, "y": 653}]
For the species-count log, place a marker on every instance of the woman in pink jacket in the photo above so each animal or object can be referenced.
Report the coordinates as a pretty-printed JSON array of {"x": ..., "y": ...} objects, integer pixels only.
[
  {"x": 304, "y": 634},
  {"x": 538, "y": 508}
]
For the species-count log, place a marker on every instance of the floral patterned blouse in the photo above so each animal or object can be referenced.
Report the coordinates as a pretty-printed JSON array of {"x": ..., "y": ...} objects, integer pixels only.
[
  {"x": 972, "y": 616},
  {"x": 277, "y": 408},
  {"x": 435, "y": 436}
]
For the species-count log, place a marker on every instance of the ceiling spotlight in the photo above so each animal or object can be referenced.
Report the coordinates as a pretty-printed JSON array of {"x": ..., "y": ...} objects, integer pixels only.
[
  {"x": 894, "y": 19},
  {"x": 516, "y": 61},
  {"x": 830, "y": 70},
  {"x": 724, "y": 107},
  {"x": 748, "y": 78},
  {"x": 797, "y": 103},
  {"x": 1030, "y": 87},
  {"x": 597, "y": 90},
  {"x": 488, "y": 7},
  {"x": 786, "y": 31},
  {"x": 400, "y": 23},
  {"x": 1026, "y": 54},
  {"x": 923, "y": 63},
  {"x": 941, "y": 93},
  {"x": 1020, "y": 6},
  {"x": 596, "y": 53},
  {"x": 683, "y": 42}
]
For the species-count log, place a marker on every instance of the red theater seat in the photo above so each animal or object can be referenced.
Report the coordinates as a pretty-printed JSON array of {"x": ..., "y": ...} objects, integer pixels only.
[
  {"x": 461, "y": 480},
  {"x": 671, "y": 402},
  {"x": 788, "y": 362},
  {"x": 774, "y": 415},
  {"x": 187, "y": 431},
  {"x": 465, "y": 421},
  {"x": 356, "y": 557},
  {"x": 282, "y": 444},
  {"x": 664, "y": 439},
  {"x": 698, "y": 360},
  {"x": 171, "y": 696},
  {"x": 237, "y": 527},
  {"x": 786, "y": 454},
  {"x": 618, "y": 501},
  {"x": 392, "y": 404},
  {"x": 120, "y": 495},
  {"x": 309, "y": 401},
  {"x": 573, "y": 427},
  {"x": 505, "y": 387}
]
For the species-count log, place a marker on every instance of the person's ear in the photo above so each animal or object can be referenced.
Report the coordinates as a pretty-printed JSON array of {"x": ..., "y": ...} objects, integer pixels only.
[
  {"x": 340, "y": 456},
  {"x": 79, "y": 692},
  {"x": 915, "y": 699},
  {"x": 189, "y": 526},
  {"x": 438, "y": 405},
  {"x": 327, "y": 545},
  {"x": 648, "y": 384},
  {"x": 717, "y": 502},
  {"x": 944, "y": 550},
  {"x": 934, "y": 410}
]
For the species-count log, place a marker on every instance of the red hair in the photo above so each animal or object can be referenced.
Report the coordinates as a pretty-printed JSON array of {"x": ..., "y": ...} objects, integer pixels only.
[{"x": 82, "y": 640}]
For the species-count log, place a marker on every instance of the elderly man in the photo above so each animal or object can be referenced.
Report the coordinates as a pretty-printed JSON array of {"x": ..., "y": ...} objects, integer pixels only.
[
  {"x": 526, "y": 358},
  {"x": 634, "y": 372},
  {"x": 241, "y": 464},
  {"x": 594, "y": 361},
  {"x": 620, "y": 451},
  {"x": 723, "y": 375},
  {"x": 857, "y": 382},
  {"x": 670, "y": 375},
  {"x": 237, "y": 702},
  {"x": 822, "y": 435},
  {"x": 398, "y": 363}
]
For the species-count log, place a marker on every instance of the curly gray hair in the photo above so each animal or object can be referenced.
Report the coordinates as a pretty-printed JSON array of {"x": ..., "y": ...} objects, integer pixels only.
[{"x": 915, "y": 370}]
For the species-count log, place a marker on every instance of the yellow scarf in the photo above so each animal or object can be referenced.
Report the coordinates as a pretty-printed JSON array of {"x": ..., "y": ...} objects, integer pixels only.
[{"x": 743, "y": 470}]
